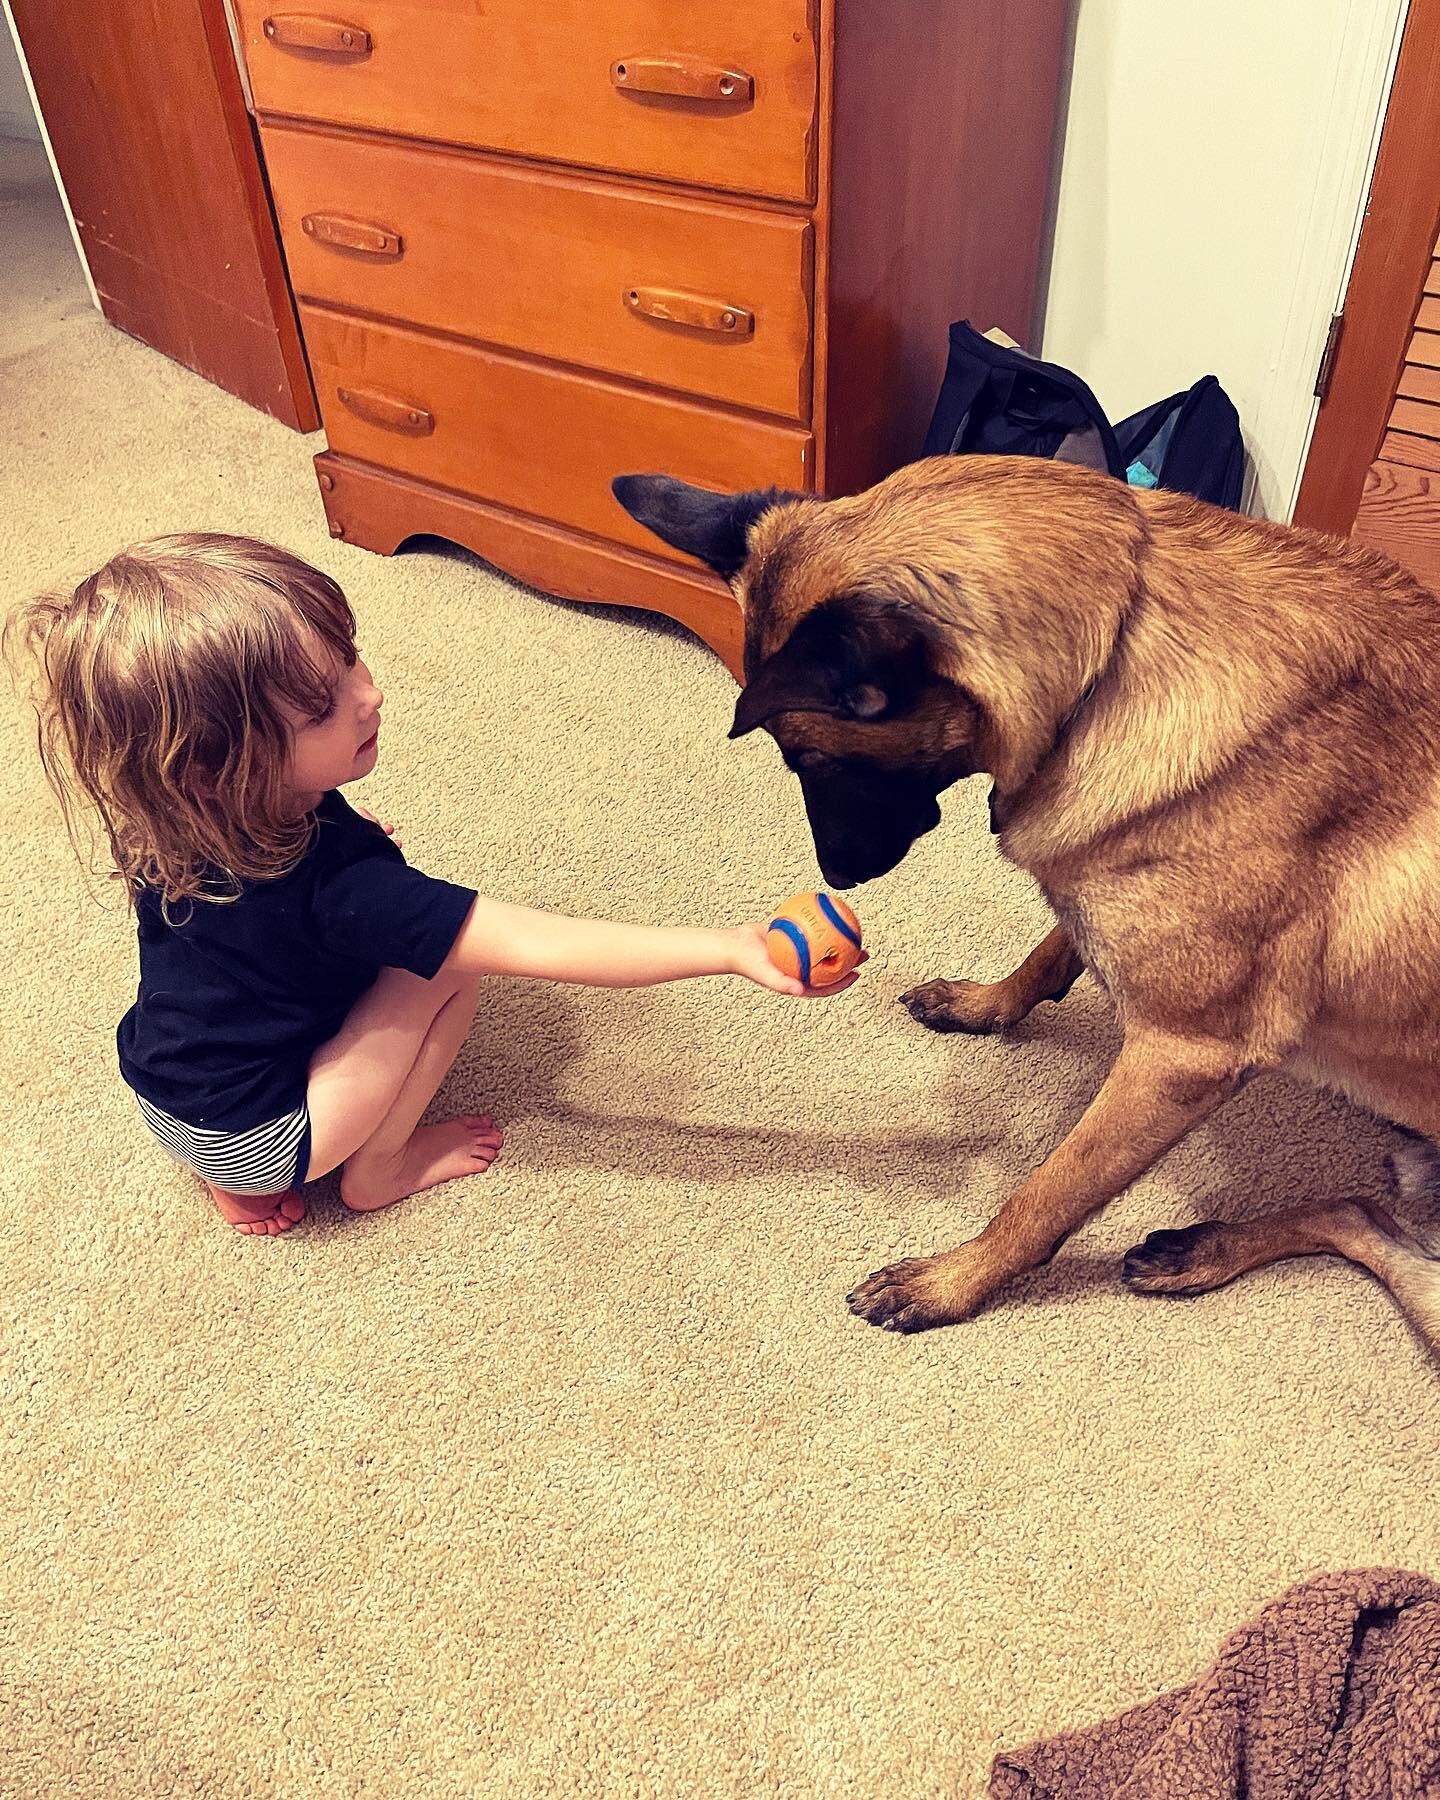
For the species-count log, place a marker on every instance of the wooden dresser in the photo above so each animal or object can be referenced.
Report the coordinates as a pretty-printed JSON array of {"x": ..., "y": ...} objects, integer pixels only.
[{"x": 539, "y": 243}]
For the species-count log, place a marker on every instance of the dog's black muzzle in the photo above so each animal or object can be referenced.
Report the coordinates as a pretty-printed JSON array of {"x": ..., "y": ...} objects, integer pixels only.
[{"x": 863, "y": 824}]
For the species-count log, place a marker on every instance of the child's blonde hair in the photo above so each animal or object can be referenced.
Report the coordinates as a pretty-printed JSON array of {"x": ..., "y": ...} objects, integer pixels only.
[{"x": 162, "y": 683}]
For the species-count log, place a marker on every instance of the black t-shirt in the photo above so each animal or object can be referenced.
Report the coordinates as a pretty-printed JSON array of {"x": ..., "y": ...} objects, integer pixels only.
[{"x": 235, "y": 998}]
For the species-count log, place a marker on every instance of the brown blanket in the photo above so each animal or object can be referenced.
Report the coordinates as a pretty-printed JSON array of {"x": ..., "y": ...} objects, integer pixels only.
[{"x": 1333, "y": 1693}]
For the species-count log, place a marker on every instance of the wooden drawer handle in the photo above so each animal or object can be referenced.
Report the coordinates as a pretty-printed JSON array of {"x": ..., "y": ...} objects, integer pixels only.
[
  {"x": 388, "y": 411},
  {"x": 690, "y": 309},
  {"x": 684, "y": 78},
  {"x": 308, "y": 31},
  {"x": 352, "y": 234}
]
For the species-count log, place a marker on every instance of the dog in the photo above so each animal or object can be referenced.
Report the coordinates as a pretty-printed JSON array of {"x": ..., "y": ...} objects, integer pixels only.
[{"x": 1213, "y": 742}]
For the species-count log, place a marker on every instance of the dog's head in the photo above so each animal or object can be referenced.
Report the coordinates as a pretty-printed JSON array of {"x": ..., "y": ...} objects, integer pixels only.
[{"x": 846, "y": 667}]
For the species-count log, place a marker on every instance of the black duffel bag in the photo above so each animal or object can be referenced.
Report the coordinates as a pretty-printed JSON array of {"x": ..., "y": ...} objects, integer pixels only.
[{"x": 997, "y": 401}]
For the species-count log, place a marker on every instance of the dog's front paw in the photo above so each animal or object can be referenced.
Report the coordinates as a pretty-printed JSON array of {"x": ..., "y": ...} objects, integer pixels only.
[
  {"x": 973, "y": 1006},
  {"x": 913, "y": 1295}
]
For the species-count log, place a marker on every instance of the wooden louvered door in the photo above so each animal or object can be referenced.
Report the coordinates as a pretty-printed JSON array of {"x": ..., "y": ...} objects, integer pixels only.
[
  {"x": 1400, "y": 508},
  {"x": 1374, "y": 465}
]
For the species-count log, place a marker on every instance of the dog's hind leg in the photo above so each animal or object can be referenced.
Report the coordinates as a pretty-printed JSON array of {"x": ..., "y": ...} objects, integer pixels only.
[
  {"x": 1047, "y": 973},
  {"x": 1199, "y": 1258}
]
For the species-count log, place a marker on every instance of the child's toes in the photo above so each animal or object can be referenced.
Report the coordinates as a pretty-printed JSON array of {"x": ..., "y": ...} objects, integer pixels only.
[{"x": 289, "y": 1209}]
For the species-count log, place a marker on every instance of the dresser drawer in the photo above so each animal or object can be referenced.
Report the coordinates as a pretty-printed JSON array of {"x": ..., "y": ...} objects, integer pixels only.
[
  {"x": 721, "y": 94},
  {"x": 579, "y": 270},
  {"x": 542, "y": 441}
]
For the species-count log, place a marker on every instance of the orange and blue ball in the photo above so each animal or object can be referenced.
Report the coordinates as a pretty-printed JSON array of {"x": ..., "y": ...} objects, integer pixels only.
[{"x": 814, "y": 937}]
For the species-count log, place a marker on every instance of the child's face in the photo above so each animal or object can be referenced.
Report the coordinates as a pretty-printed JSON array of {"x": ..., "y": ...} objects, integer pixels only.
[{"x": 343, "y": 745}]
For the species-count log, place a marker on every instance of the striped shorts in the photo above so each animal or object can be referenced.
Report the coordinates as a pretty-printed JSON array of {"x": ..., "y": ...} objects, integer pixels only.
[{"x": 268, "y": 1159}]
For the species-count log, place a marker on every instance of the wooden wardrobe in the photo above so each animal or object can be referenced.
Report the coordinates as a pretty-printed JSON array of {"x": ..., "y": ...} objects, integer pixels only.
[{"x": 536, "y": 246}]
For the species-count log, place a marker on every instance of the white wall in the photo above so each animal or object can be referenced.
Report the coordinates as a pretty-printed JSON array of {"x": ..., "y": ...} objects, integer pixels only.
[
  {"x": 17, "y": 117},
  {"x": 1215, "y": 160}
]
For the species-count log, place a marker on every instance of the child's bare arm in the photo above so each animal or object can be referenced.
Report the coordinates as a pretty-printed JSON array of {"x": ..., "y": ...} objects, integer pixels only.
[{"x": 498, "y": 938}]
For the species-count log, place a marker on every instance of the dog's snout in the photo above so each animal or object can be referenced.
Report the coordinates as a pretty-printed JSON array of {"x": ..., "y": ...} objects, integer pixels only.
[
  {"x": 854, "y": 863},
  {"x": 863, "y": 824},
  {"x": 851, "y": 869}
]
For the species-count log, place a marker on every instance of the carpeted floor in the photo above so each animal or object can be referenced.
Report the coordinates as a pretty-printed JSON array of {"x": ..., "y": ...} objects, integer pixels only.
[{"x": 578, "y": 1479}]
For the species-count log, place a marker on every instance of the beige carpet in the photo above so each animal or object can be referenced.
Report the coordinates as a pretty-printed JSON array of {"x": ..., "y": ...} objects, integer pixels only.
[{"x": 578, "y": 1479}]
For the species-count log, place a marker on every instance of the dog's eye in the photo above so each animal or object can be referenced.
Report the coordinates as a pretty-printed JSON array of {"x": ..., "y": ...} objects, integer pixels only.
[{"x": 807, "y": 762}]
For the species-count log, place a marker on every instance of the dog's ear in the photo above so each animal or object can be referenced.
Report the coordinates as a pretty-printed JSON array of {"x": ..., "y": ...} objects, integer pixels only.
[
  {"x": 713, "y": 527},
  {"x": 853, "y": 657}
]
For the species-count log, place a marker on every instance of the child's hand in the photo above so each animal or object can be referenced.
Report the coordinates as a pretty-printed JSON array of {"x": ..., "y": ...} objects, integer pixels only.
[
  {"x": 752, "y": 960},
  {"x": 389, "y": 830}
]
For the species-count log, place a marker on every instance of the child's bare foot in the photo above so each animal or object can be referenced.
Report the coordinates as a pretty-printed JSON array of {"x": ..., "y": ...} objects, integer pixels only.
[
  {"x": 435, "y": 1153},
  {"x": 259, "y": 1215}
]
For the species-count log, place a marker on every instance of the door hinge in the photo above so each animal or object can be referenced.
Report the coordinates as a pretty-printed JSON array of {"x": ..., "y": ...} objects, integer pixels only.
[{"x": 1328, "y": 356}]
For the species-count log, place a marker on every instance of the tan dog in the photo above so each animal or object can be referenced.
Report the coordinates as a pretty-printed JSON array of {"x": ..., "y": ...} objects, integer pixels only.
[{"x": 1215, "y": 745}]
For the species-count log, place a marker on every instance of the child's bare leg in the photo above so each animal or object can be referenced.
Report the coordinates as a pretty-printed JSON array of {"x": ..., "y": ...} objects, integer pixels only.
[
  {"x": 259, "y": 1215},
  {"x": 370, "y": 1084},
  {"x": 402, "y": 1156}
]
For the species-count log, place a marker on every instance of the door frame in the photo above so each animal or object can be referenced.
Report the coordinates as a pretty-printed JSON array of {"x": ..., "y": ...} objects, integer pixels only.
[{"x": 1392, "y": 258}]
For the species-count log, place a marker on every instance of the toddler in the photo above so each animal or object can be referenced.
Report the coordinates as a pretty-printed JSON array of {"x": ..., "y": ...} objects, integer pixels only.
[{"x": 303, "y": 990}]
